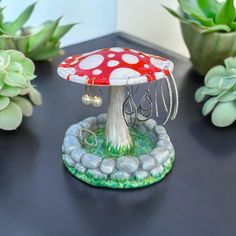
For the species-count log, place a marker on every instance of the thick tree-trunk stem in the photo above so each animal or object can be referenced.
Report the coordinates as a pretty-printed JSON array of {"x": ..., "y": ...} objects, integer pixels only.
[{"x": 117, "y": 133}]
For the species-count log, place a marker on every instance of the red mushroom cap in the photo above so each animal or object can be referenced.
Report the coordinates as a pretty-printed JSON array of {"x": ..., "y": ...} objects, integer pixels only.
[{"x": 114, "y": 66}]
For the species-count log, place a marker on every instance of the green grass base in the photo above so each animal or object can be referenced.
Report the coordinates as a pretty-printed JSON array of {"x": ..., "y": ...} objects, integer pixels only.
[
  {"x": 118, "y": 184},
  {"x": 142, "y": 144}
]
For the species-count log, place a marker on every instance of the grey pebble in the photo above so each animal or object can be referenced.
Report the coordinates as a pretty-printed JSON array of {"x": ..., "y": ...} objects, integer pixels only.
[
  {"x": 74, "y": 130},
  {"x": 165, "y": 143},
  {"x": 107, "y": 166},
  {"x": 80, "y": 168},
  {"x": 120, "y": 175},
  {"x": 157, "y": 171},
  {"x": 147, "y": 162},
  {"x": 68, "y": 160},
  {"x": 70, "y": 143},
  {"x": 160, "y": 154},
  {"x": 141, "y": 174},
  {"x": 172, "y": 155},
  {"x": 164, "y": 137},
  {"x": 89, "y": 123},
  {"x": 150, "y": 124},
  {"x": 128, "y": 164},
  {"x": 90, "y": 161},
  {"x": 77, "y": 154},
  {"x": 159, "y": 129},
  {"x": 102, "y": 118},
  {"x": 97, "y": 174}
]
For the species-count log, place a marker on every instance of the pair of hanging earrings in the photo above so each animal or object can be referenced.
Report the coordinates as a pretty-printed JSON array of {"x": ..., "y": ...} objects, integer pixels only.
[
  {"x": 93, "y": 99},
  {"x": 142, "y": 112}
]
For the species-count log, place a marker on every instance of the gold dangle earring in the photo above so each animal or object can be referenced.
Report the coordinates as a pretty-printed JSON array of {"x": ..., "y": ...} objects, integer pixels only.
[
  {"x": 86, "y": 99},
  {"x": 96, "y": 101}
]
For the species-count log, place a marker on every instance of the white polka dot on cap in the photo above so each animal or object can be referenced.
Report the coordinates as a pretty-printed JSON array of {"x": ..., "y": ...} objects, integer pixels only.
[
  {"x": 97, "y": 72},
  {"x": 111, "y": 55},
  {"x": 113, "y": 63},
  {"x": 130, "y": 59},
  {"x": 91, "y": 62}
]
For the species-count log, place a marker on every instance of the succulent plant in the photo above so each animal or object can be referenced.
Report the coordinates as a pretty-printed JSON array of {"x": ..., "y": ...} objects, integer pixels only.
[
  {"x": 209, "y": 31},
  {"x": 38, "y": 43},
  {"x": 209, "y": 15},
  {"x": 220, "y": 88},
  {"x": 16, "y": 91}
]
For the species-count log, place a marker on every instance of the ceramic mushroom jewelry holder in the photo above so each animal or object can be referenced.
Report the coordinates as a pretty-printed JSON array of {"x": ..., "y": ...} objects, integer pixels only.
[{"x": 123, "y": 148}]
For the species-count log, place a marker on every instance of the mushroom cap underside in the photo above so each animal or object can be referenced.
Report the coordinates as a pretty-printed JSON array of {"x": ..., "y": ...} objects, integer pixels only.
[{"x": 114, "y": 66}]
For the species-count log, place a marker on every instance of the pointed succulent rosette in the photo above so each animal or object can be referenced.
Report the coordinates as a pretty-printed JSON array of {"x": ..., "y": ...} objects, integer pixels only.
[
  {"x": 16, "y": 91},
  {"x": 209, "y": 31},
  {"x": 38, "y": 43}
]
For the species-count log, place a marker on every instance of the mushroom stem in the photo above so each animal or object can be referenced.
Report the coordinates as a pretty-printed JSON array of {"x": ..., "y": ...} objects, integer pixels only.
[{"x": 118, "y": 138}]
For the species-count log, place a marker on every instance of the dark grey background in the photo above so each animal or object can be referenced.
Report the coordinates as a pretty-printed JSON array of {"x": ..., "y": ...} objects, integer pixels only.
[{"x": 38, "y": 197}]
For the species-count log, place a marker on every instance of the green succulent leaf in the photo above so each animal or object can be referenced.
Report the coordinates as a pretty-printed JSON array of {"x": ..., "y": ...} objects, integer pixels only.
[
  {"x": 10, "y": 91},
  {"x": 7, "y": 42},
  {"x": 200, "y": 94},
  {"x": 214, "y": 75},
  {"x": 209, "y": 106},
  {"x": 224, "y": 114},
  {"x": 227, "y": 82},
  {"x": 205, "y": 21},
  {"x": 216, "y": 28},
  {"x": 12, "y": 27},
  {"x": 24, "y": 104},
  {"x": 15, "y": 79},
  {"x": 203, "y": 91},
  {"x": 228, "y": 97},
  {"x": 175, "y": 13},
  {"x": 4, "y": 59},
  {"x": 10, "y": 117},
  {"x": 209, "y": 7},
  {"x": 15, "y": 67},
  {"x": 45, "y": 53},
  {"x": 230, "y": 63},
  {"x": 15, "y": 55},
  {"x": 61, "y": 31},
  {"x": 2, "y": 76},
  {"x": 1, "y": 16},
  {"x": 4, "y": 101},
  {"x": 35, "y": 96},
  {"x": 22, "y": 42},
  {"x": 233, "y": 25},
  {"x": 44, "y": 35},
  {"x": 29, "y": 68},
  {"x": 226, "y": 14},
  {"x": 191, "y": 6},
  {"x": 192, "y": 9}
]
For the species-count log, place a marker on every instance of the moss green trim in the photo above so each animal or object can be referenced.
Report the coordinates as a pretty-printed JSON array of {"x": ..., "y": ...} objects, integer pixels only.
[{"x": 118, "y": 184}]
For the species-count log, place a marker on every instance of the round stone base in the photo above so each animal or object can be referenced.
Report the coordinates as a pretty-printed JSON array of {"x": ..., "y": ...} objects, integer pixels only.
[{"x": 121, "y": 172}]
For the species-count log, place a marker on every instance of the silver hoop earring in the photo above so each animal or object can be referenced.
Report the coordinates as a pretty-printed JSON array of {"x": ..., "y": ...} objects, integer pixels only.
[
  {"x": 84, "y": 139},
  {"x": 176, "y": 97}
]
